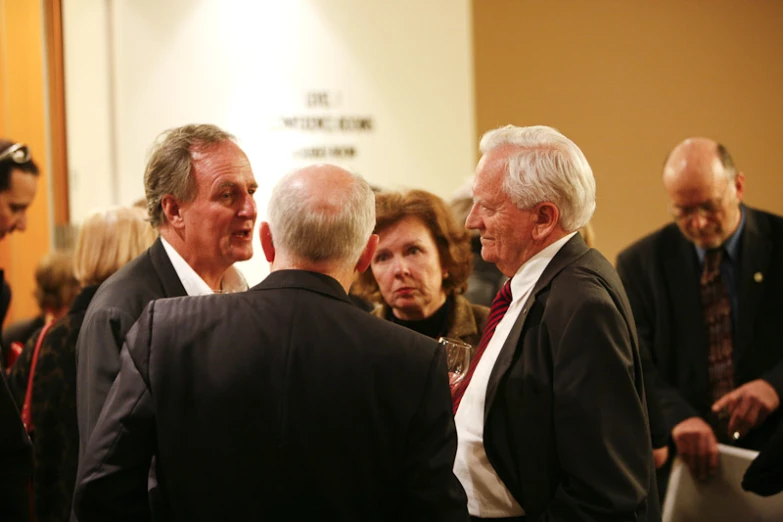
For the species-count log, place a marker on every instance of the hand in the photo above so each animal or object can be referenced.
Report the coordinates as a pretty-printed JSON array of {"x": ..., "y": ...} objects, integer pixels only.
[
  {"x": 660, "y": 456},
  {"x": 697, "y": 445},
  {"x": 748, "y": 406}
]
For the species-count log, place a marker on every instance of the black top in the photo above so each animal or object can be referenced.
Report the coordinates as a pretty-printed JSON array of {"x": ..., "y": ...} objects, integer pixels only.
[
  {"x": 16, "y": 464},
  {"x": 433, "y": 326}
]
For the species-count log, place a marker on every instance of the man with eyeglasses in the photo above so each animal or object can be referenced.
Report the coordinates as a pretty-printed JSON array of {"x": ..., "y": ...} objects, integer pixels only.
[
  {"x": 706, "y": 296},
  {"x": 18, "y": 184}
]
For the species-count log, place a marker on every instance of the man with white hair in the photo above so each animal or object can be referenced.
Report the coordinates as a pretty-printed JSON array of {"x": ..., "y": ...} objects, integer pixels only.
[
  {"x": 551, "y": 417},
  {"x": 285, "y": 402}
]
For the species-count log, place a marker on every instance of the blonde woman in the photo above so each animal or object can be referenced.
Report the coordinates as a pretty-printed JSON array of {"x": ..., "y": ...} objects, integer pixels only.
[{"x": 108, "y": 239}]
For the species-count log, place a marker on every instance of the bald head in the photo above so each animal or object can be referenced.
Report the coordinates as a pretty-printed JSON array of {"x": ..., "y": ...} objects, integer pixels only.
[
  {"x": 321, "y": 213},
  {"x": 698, "y": 160},
  {"x": 705, "y": 191}
]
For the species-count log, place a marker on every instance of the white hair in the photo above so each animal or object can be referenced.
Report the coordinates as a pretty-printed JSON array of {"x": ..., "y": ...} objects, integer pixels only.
[
  {"x": 332, "y": 225},
  {"x": 544, "y": 165}
]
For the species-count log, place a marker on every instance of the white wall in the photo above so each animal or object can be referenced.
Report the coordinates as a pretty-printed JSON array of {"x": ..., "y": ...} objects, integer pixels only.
[{"x": 406, "y": 66}]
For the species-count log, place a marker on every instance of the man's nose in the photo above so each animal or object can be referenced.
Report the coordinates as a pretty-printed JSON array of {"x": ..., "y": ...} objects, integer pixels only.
[
  {"x": 698, "y": 220},
  {"x": 248, "y": 209},
  {"x": 472, "y": 221}
]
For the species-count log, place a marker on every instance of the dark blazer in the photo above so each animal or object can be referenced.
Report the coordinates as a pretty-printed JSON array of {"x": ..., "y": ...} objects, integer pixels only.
[
  {"x": 565, "y": 420},
  {"x": 661, "y": 275},
  {"x": 285, "y": 402},
  {"x": 53, "y": 410},
  {"x": 16, "y": 456},
  {"x": 115, "y": 307}
]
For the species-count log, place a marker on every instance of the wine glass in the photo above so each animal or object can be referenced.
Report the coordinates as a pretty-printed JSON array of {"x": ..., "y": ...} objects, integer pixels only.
[{"x": 457, "y": 358}]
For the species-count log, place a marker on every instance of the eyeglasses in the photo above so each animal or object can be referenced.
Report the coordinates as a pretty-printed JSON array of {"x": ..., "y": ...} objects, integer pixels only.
[
  {"x": 709, "y": 208},
  {"x": 18, "y": 153}
]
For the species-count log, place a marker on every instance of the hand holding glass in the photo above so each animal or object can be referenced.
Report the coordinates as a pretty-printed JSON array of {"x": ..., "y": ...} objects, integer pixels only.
[{"x": 457, "y": 358}]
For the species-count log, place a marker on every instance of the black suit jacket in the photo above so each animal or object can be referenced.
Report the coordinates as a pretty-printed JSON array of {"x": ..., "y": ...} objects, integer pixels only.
[
  {"x": 16, "y": 454},
  {"x": 566, "y": 423},
  {"x": 115, "y": 307},
  {"x": 285, "y": 402},
  {"x": 661, "y": 275}
]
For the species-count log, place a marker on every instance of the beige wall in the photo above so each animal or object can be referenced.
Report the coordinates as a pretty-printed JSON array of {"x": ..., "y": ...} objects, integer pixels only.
[
  {"x": 137, "y": 67},
  {"x": 628, "y": 80}
]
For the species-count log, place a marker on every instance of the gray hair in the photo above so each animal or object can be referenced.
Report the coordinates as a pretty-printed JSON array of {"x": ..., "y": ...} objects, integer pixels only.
[
  {"x": 544, "y": 165},
  {"x": 169, "y": 168},
  {"x": 331, "y": 226}
]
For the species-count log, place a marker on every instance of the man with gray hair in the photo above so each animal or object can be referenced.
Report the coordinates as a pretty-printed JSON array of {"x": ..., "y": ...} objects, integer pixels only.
[
  {"x": 199, "y": 189},
  {"x": 285, "y": 402},
  {"x": 551, "y": 417}
]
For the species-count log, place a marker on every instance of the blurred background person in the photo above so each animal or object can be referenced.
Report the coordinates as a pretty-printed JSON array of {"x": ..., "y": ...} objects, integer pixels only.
[
  {"x": 705, "y": 292},
  {"x": 421, "y": 268},
  {"x": 18, "y": 185},
  {"x": 55, "y": 288},
  {"x": 108, "y": 239}
]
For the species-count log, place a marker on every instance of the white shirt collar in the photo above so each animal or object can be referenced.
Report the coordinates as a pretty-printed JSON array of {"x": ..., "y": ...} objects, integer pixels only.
[
  {"x": 530, "y": 272},
  {"x": 233, "y": 280}
]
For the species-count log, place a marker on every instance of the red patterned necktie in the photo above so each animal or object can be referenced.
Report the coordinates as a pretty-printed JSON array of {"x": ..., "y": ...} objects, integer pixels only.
[
  {"x": 716, "y": 309},
  {"x": 496, "y": 312}
]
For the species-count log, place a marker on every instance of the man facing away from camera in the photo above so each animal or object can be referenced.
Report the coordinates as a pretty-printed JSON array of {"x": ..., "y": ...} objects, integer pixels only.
[{"x": 285, "y": 402}]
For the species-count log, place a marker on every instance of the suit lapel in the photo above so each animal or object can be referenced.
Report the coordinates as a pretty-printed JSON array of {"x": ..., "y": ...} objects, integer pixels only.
[
  {"x": 169, "y": 280},
  {"x": 755, "y": 257},
  {"x": 571, "y": 251}
]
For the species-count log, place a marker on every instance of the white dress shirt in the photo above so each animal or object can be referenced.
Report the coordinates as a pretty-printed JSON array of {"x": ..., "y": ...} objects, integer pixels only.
[
  {"x": 488, "y": 496},
  {"x": 233, "y": 280}
]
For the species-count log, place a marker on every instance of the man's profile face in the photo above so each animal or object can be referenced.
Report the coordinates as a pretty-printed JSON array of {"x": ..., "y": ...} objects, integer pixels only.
[
  {"x": 704, "y": 201},
  {"x": 219, "y": 221},
  {"x": 15, "y": 200},
  {"x": 505, "y": 230}
]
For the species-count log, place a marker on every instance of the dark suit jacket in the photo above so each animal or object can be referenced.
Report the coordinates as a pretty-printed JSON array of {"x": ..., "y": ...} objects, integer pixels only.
[
  {"x": 566, "y": 422},
  {"x": 285, "y": 402},
  {"x": 115, "y": 307},
  {"x": 16, "y": 456},
  {"x": 661, "y": 275}
]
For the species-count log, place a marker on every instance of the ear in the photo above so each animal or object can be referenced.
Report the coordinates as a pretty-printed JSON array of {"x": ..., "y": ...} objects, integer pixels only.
[
  {"x": 369, "y": 251},
  {"x": 172, "y": 210},
  {"x": 266, "y": 241},
  {"x": 739, "y": 184},
  {"x": 546, "y": 216}
]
